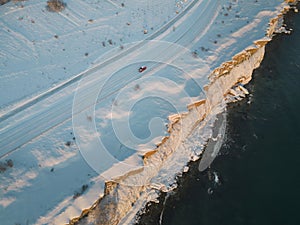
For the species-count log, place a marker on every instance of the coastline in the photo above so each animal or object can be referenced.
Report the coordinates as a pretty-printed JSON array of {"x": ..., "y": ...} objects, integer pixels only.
[
  {"x": 228, "y": 77},
  {"x": 43, "y": 55},
  {"x": 259, "y": 160}
]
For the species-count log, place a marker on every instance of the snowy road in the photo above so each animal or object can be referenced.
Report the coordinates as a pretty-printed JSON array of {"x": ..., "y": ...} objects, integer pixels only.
[
  {"x": 45, "y": 69},
  {"x": 21, "y": 125}
]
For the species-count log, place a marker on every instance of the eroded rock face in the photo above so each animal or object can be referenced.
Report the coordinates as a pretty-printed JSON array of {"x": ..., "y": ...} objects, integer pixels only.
[
  {"x": 117, "y": 201},
  {"x": 120, "y": 195}
]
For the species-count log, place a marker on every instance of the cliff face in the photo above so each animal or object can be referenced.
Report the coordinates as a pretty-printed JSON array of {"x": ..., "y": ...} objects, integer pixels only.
[
  {"x": 225, "y": 82},
  {"x": 119, "y": 196}
]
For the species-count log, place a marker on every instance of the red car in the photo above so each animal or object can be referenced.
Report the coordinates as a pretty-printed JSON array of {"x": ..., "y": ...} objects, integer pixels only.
[{"x": 142, "y": 68}]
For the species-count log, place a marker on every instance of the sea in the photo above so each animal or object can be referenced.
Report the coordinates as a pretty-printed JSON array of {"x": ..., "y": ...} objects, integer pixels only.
[{"x": 255, "y": 179}]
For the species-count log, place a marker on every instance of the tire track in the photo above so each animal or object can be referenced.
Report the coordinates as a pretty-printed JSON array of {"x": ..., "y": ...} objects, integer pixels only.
[
  {"x": 76, "y": 78},
  {"x": 47, "y": 117}
]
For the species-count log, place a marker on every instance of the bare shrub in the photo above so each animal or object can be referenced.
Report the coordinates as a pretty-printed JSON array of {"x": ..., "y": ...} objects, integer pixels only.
[
  {"x": 81, "y": 191},
  {"x": 2, "y": 2},
  {"x": 55, "y": 5},
  {"x": 9, "y": 163},
  {"x": 5, "y": 165}
]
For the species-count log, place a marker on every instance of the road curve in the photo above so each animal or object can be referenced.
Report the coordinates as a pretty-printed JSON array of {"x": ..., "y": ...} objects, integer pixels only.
[{"x": 54, "y": 107}]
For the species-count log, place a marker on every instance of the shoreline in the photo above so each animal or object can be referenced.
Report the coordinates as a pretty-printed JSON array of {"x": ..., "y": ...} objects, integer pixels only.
[
  {"x": 195, "y": 180},
  {"x": 197, "y": 110},
  {"x": 46, "y": 156}
]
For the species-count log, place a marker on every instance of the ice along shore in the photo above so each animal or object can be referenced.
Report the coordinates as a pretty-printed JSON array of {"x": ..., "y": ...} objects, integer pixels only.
[{"x": 226, "y": 85}]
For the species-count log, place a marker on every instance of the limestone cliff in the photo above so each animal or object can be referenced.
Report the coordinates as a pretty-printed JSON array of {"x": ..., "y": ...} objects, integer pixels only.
[{"x": 119, "y": 196}]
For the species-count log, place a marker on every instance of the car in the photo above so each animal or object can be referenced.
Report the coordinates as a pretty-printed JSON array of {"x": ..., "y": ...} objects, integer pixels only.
[{"x": 142, "y": 69}]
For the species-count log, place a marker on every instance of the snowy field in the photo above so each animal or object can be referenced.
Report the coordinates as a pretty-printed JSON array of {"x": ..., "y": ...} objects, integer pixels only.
[{"x": 73, "y": 105}]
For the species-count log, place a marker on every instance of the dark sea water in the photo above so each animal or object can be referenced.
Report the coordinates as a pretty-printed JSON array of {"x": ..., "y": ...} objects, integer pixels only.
[{"x": 259, "y": 164}]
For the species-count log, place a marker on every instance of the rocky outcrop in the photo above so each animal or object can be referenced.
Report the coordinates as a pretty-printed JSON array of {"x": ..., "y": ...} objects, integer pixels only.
[{"x": 120, "y": 195}]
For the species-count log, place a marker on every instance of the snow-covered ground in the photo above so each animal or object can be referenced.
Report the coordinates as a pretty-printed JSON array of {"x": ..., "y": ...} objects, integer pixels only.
[{"x": 70, "y": 79}]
